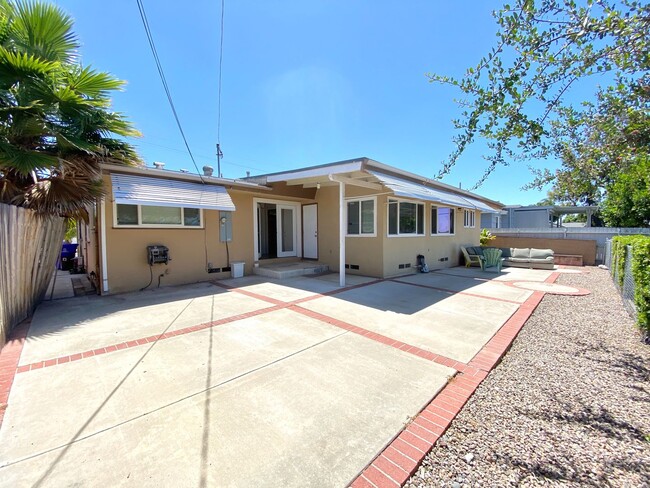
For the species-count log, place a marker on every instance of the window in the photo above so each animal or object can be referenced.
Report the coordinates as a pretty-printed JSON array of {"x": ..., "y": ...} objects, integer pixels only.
[
  {"x": 361, "y": 217},
  {"x": 469, "y": 218},
  {"x": 156, "y": 216},
  {"x": 405, "y": 218},
  {"x": 442, "y": 220}
]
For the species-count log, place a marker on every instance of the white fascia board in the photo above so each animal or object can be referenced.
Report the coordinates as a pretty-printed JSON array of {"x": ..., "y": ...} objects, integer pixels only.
[{"x": 315, "y": 172}]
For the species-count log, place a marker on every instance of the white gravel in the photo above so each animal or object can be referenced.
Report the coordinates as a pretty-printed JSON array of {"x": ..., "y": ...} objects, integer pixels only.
[{"x": 568, "y": 406}]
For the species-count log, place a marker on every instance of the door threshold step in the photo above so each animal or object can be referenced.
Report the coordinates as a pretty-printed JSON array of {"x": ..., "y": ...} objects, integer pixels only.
[{"x": 290, "y": 270}]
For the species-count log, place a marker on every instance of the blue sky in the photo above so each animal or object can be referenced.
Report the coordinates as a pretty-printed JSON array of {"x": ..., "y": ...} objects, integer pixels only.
[{"x": 304, "y": 82}]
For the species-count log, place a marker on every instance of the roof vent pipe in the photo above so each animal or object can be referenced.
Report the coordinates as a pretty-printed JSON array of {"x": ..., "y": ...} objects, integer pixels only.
[
  {"x": 159, "y": 165},
  {"x": 207, "y": 170}
]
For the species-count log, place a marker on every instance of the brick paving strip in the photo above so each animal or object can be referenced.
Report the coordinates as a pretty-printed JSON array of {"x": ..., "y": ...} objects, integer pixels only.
[
  {"x": 394, "y": 465},
  {"x": 9, "y": 357},
  {"x": 404, "y": 454}
]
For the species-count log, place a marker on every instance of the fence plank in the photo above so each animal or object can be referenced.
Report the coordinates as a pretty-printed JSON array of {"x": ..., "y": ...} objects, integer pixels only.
[{"x": 29, "y": 245}]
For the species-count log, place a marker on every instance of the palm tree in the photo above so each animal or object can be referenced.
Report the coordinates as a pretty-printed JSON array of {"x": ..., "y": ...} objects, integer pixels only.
[{"x": 56, "y": 126}]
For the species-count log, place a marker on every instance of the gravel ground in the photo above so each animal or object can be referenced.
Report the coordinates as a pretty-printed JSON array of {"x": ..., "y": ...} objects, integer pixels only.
[{"x": 567, "y": 406}]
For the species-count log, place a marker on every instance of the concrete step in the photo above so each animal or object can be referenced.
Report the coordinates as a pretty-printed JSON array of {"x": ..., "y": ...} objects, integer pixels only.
[{"x": 291, "y": 270}]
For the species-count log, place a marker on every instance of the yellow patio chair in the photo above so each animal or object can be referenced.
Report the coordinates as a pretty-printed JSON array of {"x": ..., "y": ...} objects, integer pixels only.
[
  {"x": 470, "y": 259},
  {"x": 491, "y": 259}
]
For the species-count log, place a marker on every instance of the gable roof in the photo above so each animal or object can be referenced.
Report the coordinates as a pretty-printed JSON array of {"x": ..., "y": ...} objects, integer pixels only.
[{"x": 365, "y": 171}]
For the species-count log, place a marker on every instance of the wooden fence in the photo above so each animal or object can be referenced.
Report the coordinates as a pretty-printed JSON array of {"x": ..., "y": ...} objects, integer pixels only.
[{"x": 29, "y": 247}]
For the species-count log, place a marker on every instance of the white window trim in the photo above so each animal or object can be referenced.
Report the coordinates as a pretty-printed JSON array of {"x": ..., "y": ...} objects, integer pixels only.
[
  {"x": 472, "y": 219},
  {"x": 444, "y": 234},
  {"x": 156, "y": 226},
  {"x": 374, "y": 215},
  {"x": 400, "y": 200}
]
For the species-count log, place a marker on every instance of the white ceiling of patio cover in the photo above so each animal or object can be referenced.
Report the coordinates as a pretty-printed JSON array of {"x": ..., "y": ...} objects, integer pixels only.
[
  {"x": 144, "y": 190},
  {"x": 409, "y": 189}
]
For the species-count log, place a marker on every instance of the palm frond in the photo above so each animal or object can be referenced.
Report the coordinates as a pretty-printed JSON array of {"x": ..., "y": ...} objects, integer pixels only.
[
  {"x": 45, "y": 31},
  {"x": 91, "y": 83},
  {"x": 25, "y": 161}
]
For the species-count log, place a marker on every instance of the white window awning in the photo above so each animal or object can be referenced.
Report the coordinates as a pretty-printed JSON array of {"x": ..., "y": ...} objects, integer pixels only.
[
  {"x": 144, "y": 190},
  {"x": 409, "y": 189}
]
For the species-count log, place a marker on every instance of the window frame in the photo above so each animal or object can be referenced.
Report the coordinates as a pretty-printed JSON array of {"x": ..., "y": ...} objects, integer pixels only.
[
  {"x": 472, "y": 219},
  {"x": 374, "y": 215},
  {"x": 399, "y": 202},
  {"x": 140, "y": 225},
  {"x": 453, "y": 223}
]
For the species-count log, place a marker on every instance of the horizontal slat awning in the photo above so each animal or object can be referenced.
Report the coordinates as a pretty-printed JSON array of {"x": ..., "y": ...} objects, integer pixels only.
[
  {"x": 479, "y": 205},
  {"x": 409, "y": 189},
  {"x": 144, "y": 190}
]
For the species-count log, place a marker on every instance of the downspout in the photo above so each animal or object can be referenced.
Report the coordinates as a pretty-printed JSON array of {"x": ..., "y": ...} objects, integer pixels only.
[
  {"x": 102, "y": 230},
  {"x": 342, "y": 229}
]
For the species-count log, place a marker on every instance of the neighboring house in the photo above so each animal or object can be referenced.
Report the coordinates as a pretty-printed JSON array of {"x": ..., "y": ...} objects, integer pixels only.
[
  {"x": 537, "y": 217},
  {"x": 386, "y": 217},
  {"x": 492, "y": 220}
]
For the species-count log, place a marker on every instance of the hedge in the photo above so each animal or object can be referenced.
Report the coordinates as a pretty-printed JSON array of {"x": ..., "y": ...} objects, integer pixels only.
[{"x": 640, "y": 246}]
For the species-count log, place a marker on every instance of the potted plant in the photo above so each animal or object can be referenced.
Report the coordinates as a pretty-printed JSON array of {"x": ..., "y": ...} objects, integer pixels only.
[{"x": 486, "y": 237}]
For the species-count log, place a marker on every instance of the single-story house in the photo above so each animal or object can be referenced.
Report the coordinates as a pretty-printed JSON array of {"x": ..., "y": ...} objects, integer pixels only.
[
  {"x": 537, "y": 216},
  {"x": 357, "y": 216}
]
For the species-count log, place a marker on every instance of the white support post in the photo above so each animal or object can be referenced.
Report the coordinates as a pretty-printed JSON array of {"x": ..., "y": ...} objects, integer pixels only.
[
  {"x": 342, "y": 232},
  {"x": 102, "y": 231}
]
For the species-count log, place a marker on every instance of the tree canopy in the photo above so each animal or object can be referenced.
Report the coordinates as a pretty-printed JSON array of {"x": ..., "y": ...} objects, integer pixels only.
[
  {"x": 516, "y": 95},
  {"x": 56, "y": 123}
]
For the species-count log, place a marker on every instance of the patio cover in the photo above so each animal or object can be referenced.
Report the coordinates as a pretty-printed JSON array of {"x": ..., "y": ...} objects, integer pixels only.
[
  {"x": 162, "y": 192},
  {"x": 409, "y": 189}
]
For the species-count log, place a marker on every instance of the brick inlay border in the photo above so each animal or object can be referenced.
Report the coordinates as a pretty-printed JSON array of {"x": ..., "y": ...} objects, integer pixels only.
[
  {"x": 449, "y": 291},
  {"x": 388, "y": 341},
  {"x": 9, "y": 358},
  {"x": 395, "y": 464},
  {"x": 142, "y": 341}
]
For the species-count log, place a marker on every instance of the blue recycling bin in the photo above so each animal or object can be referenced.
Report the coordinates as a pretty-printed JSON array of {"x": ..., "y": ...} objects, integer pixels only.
[{"x": 68, "y": 252}]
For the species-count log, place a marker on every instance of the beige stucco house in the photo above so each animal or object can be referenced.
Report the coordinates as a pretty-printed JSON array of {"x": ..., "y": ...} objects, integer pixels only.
[{"x": 356, "y": 216}]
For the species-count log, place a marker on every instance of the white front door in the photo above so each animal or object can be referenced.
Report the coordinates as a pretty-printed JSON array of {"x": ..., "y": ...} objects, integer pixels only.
[
  {"x": 286, "y": 231},
  {"x": 310, "y": 231}
]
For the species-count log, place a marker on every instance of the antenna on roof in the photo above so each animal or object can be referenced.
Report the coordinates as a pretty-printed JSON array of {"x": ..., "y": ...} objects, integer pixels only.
[{"x": 219, "y": 156}]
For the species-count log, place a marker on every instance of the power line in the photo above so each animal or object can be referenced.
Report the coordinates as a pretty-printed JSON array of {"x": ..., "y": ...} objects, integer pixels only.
[
  {"x": 152, "y": 45},
  {"x": 219, "y": 153},
  {"x": 223, "y": 3}
]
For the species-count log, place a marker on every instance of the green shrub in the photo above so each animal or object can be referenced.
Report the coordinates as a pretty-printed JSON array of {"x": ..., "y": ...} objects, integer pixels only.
[
  {"x": 486, "y": 237},
  {"x": 640, "y": 272}
]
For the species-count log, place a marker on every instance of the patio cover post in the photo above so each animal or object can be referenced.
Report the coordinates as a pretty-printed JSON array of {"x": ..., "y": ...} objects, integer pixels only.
[{"x": 342, "y": 229}]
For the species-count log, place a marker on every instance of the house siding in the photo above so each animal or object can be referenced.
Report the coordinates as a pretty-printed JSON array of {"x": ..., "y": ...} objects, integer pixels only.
[
  {"x": 191, "y": 249},
  {"x": 126, "y": 248}
]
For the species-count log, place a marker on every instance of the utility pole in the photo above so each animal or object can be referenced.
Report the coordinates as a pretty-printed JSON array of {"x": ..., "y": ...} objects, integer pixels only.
[{"x": 219, "y": 156}]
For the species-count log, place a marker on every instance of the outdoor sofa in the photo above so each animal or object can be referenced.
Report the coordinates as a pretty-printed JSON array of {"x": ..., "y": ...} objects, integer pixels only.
[{"x": 513, "y": 256}]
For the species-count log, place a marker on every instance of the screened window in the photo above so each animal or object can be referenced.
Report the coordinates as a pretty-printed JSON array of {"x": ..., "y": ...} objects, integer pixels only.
[
  {"x": 160, "y": 215},
  {"x": 127, "y": 214},
  {"x": 469, "y": 218},
  {"x": 156, "y": 216},
  {"x": 361, "y": 217},
  {"x": 405, "y": 218},
  {"x": 442, "y": 220}
]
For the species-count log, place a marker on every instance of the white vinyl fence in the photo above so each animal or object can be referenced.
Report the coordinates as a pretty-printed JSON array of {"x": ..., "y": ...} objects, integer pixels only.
[{"x": 29, "y": 247}]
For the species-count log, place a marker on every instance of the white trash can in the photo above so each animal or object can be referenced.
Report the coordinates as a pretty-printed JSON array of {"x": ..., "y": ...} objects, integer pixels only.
[{"x": 237, "y": 269}]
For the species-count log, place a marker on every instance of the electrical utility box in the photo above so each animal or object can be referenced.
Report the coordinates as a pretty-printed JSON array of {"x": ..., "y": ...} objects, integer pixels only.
[
  {"x": 157, "y": 255},
  {"x": 225, "y": 226}
]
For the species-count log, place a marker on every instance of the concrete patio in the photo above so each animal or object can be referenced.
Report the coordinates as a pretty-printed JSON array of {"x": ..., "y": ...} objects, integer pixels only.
[{"x": 243, "y": 382}]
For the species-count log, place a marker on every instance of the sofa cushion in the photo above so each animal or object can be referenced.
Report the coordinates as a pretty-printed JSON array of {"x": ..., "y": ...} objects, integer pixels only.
[
  {"x": 541, "y": 253},
  {"x": 518, "y": 260},
  {"x": 505, "y": 252},
  {"x": 475, "y": 251},
  {"x": 521, "y": 252}
]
